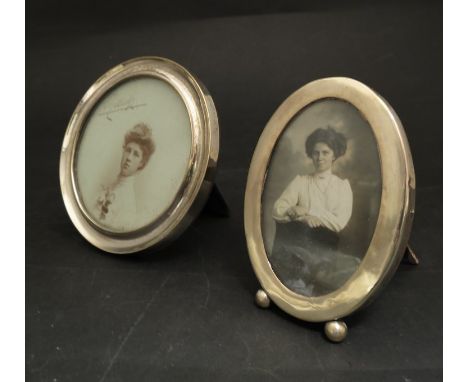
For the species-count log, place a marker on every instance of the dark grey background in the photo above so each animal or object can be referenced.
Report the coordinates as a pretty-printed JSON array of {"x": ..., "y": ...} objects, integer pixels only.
[{"x": 187, "y": 312}]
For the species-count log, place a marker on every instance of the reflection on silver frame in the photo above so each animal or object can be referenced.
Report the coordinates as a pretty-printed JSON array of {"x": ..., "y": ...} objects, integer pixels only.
[
  {"x": 393, "y": 217},
  {"x": 199, "y": 174}
]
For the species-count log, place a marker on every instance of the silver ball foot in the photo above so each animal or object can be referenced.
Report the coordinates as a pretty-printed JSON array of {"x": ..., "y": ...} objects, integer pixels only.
[
  {"x": 336, "y": 331},
  {"x": 262, "y": 299}
]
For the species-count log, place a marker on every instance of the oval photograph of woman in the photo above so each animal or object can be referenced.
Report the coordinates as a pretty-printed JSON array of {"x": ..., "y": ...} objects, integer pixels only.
[
  {"x": 321, "y": 197},
  {"x": 133, "y": 154}
]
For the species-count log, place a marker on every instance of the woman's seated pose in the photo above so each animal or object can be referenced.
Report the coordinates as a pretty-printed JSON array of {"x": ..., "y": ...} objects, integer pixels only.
[{"x": 310, "y": 213}]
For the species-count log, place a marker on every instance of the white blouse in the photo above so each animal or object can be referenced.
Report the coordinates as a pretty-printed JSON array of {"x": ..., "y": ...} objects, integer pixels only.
[
  {"x": 119, "y": 199},
  {"x": 323, "y": 195}
]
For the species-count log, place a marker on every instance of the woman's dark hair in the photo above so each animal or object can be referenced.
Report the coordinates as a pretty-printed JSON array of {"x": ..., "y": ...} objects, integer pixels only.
[
  {"x": 336, "y": 141},
  {"x": 141, "y": 135}
]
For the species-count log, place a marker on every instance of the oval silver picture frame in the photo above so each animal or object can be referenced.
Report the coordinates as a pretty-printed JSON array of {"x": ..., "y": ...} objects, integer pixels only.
[
  {"x": 196, "y": 178},
  {"x": 393, "y": 219}
]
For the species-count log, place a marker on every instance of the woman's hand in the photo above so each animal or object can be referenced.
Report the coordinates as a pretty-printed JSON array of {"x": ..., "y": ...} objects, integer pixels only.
[
  {"x": 311, "y": 221},
  {"x": 296, "y": 212}
]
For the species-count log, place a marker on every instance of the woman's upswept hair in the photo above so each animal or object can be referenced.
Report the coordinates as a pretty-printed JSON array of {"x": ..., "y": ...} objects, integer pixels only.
[
  {"x": 336, "y": 141},
  {"x": 141, "y": 135}
]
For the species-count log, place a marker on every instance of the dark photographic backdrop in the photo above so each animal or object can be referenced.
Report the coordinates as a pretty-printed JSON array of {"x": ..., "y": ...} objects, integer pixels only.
[{"x": 187, "y": 312}]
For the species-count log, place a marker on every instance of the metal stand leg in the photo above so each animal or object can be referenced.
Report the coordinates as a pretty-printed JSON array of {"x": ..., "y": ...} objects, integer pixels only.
[
  {"x": 216, "y": 205},
  {"x": 336, "y": 331},
  {"x": 410, "y": 257},
  {"x": 262, "y": 299}
]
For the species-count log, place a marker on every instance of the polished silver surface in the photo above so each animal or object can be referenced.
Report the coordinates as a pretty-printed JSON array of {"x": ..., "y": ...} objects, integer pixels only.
[
  {"x": 262, "y": 299},
  {"x": 336, "y": 331}
]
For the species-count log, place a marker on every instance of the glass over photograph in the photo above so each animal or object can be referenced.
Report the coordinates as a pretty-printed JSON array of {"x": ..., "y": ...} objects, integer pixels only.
[
  {"x": 133, "y": 154},
  {"x": 321, "y": 197}
]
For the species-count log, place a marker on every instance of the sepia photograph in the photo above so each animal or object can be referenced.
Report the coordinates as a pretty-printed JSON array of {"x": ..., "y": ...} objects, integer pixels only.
[
  {"x": 321, "y": 197},
  {"x": 118, "y": 198},
  {"x": 133, "y": 154}
]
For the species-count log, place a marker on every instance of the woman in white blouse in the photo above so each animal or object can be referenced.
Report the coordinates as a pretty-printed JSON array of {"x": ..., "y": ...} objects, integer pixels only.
[
  {"x": 310, "y": 213},
  {"x": 116, "y": 205}
]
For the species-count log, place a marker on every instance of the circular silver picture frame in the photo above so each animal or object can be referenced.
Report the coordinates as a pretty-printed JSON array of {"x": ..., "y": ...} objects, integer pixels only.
[
  {"x": 395, "y": 214},
  {"x": 199, "y": 174}
]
